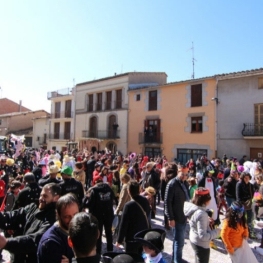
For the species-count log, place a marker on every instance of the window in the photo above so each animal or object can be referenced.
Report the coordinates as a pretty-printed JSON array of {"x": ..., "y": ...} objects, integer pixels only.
[
  {"x": 152, "y": 152},
  {"x": 90, "y": 102},
  {"x": 258, "y": 113},
  {"x": 99, "y": 101},
  {"x": 183, "y": 155},
  {"x": 153, "y": 100},
  {"x": 67, "y": 131},
  {"x": 68, "y": 109},
  {"x": 196, "y": 95},
  {"x": 57, "y": 109},
  {"x": 138, "y": 97},
  {"x": 152, "y": 131},
  {"x": 260, "y": 83},
  {"x": 108, "y": 100},
  {"x": 118, "y": 99},
  {"x": 56, "y": 130},
  {"x": 196, "y": 124}
]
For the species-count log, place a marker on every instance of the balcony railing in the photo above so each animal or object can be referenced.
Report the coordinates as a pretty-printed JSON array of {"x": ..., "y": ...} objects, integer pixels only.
[
  {"x": 62, "y": 114},
  {"x": 59, "y": 93},
  {"x": 60, "y": 136},
  {"x": 155, "y": 138},
  {"x": 108, "y": 105},
  {"x": 42, "y": 140},
  {"x": 101, "y": 134},
  {"x": 251, "y": 129}
]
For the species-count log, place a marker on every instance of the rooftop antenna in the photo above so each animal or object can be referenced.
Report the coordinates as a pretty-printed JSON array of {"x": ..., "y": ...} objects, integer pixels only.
[{"x": 193, "y": 60}]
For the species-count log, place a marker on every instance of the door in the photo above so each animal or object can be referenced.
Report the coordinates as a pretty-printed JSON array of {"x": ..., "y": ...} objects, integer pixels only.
[
  {"x": 68, "y": 109},
  {"x": 57, "y": 109},
  {"x": 152, "y": 130},
  {"x": 258, "y": 114},
  {"x": 256, "y": 153},
  {"x": 67, "y": 131},
  {"x": 93, "y": 127},
  {"x": 112, "y": 120}
]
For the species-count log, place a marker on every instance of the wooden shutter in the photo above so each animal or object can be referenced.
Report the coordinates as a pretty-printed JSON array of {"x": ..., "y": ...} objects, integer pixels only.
[
  {"x": 153, "y": 100},
  {"x": 196, "y": 95}
]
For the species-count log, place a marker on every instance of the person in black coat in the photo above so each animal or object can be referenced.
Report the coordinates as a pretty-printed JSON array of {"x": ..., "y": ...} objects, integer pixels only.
[
  {"x": 53, "y": 246},
  {"x": 134, "y": 219},
  {"x": 176, "y": 193},
  {"x": 71, "y": 185},
  {"x": 100, "y": 204},
  {"x": 34, "y": 221},
  {"x": 83, "y": 235},
  {"x": 89, "y": 171},
  {"x": 30, "y": 194},
  {"x": 51, "y": 177}
]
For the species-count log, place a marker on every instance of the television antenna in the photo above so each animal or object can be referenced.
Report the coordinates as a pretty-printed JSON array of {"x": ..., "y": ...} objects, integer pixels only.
[{"x": 193, "y": 60}]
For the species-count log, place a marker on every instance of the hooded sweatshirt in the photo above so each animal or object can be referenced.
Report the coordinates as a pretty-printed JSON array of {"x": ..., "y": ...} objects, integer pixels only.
[{"x": 200, "y": 232}]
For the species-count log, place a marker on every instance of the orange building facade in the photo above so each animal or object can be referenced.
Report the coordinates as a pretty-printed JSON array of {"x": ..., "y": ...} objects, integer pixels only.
[{"x": 177, "y": 120}]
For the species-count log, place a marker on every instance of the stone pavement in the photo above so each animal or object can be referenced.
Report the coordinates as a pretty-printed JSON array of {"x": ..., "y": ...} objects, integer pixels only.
[{"x": 218, "y": 255}]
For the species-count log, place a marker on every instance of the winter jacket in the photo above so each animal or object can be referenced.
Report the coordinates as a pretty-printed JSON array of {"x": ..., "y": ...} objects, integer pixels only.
[
  {"x": 174, "y": 200},
  {"x": 230, "y": 187},
  {"x": 71, "y": 185},
  {"x": 200, "y": 232},
  {"x": 34, "y": 223},
  {"x": 133, "y": 219},
  {"x": 47, "y": 179},
  {"x": 54, "y": 244},
  {"x": 100, "y": 201},
  {"x": 231, "y": 237},
  {"x": 30, "y": 194},
  {"x": 260, "y": 203},
  {"x": 123, "y": 199},
  {"x": 244, "y": 191}
]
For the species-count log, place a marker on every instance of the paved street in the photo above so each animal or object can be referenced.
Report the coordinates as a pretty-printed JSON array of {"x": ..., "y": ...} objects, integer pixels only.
[{"x": 218, "y": 255}]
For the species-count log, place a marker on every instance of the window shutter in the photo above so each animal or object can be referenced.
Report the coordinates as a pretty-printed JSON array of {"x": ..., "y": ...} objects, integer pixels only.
[{"x": 196, "y": 95}]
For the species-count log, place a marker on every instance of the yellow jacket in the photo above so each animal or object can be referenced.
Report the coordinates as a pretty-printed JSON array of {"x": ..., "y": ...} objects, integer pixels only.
[{"x": 233, "y": 238}]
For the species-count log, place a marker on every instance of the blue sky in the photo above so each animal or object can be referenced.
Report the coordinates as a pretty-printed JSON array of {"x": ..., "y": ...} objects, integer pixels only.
[{"x": 44, "y": 45}]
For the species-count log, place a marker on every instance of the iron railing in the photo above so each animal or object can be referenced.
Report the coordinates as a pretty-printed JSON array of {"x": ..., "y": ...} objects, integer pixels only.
[
  {"x": 60, "y": 136},
  {"x": 101, "y": 134},
  {"x": 62, "y": 114},
  {"x": 148, "y": 139},
  {"x": 59, "y": 93},
  {"x": 251, "y": 129}
]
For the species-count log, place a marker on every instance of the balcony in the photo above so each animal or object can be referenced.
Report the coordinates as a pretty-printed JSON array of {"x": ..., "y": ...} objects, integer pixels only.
[
  {"x": 60, "y": 136},
  {"x": 59, "y": 93},
  {"x": 101, "y": 134},
  {"x": 252, "y": 130},
  {"x": 62, "y": 114},
  {"x": 155, "y": 139},
  {"x": 42, "y": 140}
]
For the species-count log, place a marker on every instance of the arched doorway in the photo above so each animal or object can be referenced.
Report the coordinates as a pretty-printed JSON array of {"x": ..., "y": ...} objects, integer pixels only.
[
  {"x": 93, "y": 132},
  {"x": 112, "y": 120},
  {"x": 112, "y": 146}
]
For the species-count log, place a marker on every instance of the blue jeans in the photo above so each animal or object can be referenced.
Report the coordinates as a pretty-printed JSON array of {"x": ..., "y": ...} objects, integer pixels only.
[
  {"x": 178, "y": 242},
  {"x": 229, "y": 201}
]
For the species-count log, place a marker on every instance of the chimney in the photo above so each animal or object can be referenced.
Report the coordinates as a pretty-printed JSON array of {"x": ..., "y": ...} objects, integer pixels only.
[{"x": 20, "y": 106}]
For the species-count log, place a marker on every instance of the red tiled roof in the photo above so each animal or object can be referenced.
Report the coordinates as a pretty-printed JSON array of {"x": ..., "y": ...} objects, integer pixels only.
[{"x": 9, "y": 106}]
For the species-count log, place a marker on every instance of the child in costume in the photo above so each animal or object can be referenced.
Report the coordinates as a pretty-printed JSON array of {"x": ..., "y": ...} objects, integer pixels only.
[{"x": 152, "y": 242}]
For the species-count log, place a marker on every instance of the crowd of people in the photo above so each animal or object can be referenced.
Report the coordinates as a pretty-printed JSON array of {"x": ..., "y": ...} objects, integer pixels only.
[{"x": 56, "y": 205}]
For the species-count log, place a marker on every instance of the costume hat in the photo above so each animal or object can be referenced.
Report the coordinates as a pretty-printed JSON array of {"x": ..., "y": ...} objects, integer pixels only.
[
  {"x": 153, "y": 238},
  {"x": 115, "y": 257}
]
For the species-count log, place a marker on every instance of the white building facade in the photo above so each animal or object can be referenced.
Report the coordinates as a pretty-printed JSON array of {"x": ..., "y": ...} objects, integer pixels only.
[
  {"x": 239, "y": 115},
  {"x": 102, "y": 109}
]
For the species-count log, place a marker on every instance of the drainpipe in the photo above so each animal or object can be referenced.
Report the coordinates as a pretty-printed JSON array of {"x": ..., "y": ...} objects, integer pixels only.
[{"x": 216, "y": 124}]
